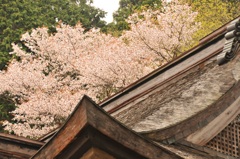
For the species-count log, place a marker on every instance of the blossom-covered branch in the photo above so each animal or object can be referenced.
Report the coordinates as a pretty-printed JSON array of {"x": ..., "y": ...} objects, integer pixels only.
[
  {"x": 51, "y": 78},
  {"x": 164, "y": 32}
]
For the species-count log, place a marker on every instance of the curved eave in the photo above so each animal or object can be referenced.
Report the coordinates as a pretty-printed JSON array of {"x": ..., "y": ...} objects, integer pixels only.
[{"x": 183, "y": 129}]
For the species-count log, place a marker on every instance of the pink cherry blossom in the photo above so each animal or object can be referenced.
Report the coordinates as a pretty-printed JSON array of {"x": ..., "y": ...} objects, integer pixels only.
[
  {"x": 164, "y": 32},
  {"x": 49, "y": 81},
  {"x": 62, "y": 67}
]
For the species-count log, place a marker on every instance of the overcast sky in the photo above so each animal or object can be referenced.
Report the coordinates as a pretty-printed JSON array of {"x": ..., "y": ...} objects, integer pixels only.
[{"x": 107, "y": 5}]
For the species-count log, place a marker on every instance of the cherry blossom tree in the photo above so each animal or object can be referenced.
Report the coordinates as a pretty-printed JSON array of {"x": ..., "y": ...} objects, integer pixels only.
[
  {"x": 52, "y": 72},
  {"x": 165, "y": 31},
  {"x": 49, "y": 80}
]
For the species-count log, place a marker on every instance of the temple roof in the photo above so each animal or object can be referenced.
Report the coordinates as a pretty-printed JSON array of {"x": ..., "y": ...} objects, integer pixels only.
[{"x": 89, "y": 130}]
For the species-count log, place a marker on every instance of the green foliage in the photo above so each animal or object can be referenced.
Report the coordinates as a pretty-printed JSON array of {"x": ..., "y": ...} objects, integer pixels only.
[
  {"x": 126, "y": 8},
  {"x": 6, "y": 105},
  {"x": 212, "y": 14},
  {"x": 19, "y": 16}
]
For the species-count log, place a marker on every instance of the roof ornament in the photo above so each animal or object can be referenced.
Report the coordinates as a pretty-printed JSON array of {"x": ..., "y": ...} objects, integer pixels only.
[{"x": 232, "y": 42}]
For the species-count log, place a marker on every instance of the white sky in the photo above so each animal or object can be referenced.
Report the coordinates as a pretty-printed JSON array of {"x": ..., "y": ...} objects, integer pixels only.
[{"x": 107, "y": 5}]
